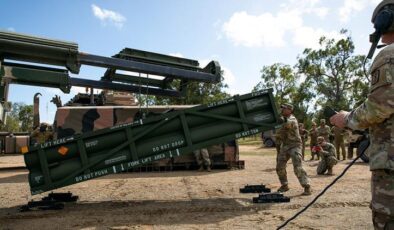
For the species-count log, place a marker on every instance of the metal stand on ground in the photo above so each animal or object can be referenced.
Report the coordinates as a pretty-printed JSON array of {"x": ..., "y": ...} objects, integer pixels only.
[
  {"x": 254, "y": 189},
  {"x": 265, "y": 195},
  {"x": 54, "y": 201}
]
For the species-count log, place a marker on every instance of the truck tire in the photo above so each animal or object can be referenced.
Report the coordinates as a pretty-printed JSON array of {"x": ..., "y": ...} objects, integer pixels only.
[
  {"x": 361, "y": 150},
  {"x": 269, "y": 143}
]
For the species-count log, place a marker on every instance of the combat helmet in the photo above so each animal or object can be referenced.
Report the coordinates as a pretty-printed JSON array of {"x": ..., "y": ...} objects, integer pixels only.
[
  {"x": 320, "y": 139},
  {"x": 383, "y": 16},
  {"x": 383, "y": 20}
]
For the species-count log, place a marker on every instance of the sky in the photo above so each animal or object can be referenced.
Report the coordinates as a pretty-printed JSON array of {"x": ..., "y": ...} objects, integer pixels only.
[{"x": 242, "y": 35}]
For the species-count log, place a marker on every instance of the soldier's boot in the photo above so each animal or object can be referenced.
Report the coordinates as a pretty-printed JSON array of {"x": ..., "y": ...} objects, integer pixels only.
[
  {"x": 330, "y": 172},
  {"x": 201, "y": 168},
  {"x": 307, "y": 190},
  {"x": 284, "y": 188},
  {"x": 208, "y": 168}
]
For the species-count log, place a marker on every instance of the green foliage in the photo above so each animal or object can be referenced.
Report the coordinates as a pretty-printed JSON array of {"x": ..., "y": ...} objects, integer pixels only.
[
  {"x": 197, "y": 93},
  {"x": 328, "y": 76},
  {"x": 11, "y": 124},
  {"x": 334, "y": 74},
  {"x": 20, "y": 119},
  {"x": 281, "y": 78},
  {"x": 287, "y": 88},
  {"x": 25, "y": 116}
]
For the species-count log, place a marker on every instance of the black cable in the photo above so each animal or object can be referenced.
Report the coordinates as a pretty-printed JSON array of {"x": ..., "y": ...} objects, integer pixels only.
[{"x": 320, "y": 194}]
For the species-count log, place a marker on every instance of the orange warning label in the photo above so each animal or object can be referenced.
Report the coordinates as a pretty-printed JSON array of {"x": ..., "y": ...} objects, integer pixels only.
[
  {"x": 24, "y": 149},
  {"x": 62, "y": 150}
]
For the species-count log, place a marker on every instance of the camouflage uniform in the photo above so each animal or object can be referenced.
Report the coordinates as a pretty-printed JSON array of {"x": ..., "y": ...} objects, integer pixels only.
[
  {"x": 304, "y": 137},
  {"x": 377, "y": 114},
  {"x": 290, "y": 148},
  {"x": 202, "y": 157},
  {"x": 313, "y": 134},
  {"x": 339, "y": 141},
  {"x": 324, "y": 130},
  {"x": 328, "y": 159},
  {"x": 278, "y": 142}
]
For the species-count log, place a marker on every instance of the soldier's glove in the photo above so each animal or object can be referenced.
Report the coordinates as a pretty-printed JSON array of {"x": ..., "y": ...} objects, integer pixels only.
[{"x": 316, "y": 149}]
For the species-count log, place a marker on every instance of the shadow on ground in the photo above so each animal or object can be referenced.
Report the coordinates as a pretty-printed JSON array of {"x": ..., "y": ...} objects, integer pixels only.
[{"x": 131, "y": 213}]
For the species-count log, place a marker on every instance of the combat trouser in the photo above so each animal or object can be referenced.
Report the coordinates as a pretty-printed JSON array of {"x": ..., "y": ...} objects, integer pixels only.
[
  {"x": 382, "y": 204},
  {"x": 325, "y": 164},
  {"x": 340, "y": 145},
  {"x": 296, "y": 158},
  {"x": 314, "y": 153},
  {"x": 202, "y": 157}
]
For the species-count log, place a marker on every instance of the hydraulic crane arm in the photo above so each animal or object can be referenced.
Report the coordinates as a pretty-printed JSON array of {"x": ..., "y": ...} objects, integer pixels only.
[{"x": 37, "y": 61}]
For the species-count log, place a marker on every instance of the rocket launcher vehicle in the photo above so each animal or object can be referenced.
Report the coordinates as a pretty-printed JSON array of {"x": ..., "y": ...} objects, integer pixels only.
[{"x": 83, "y": 157}]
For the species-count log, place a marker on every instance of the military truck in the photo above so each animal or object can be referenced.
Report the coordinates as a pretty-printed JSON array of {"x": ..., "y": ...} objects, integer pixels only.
[
  {"x": 118, "y": 148},
  {"x": 129, "y": 71}
]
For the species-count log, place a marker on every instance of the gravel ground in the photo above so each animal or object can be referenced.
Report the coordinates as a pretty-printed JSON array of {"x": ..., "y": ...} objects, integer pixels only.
[{"x": 193, "y": 200}]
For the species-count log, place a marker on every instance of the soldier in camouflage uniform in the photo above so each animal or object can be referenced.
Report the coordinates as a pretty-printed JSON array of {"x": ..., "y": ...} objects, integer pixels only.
[
  {"x": 304, "y": 137},
  {"x": 278, "y": 143},
  {"x": 327, "y": 153},
  {"x": 377, "y": 114},
  {"x": 202, "y": 158},
  {"x": 42, "y": 134},
  {"x": 339, "y": 141},
  {"x": 313, "y": 143},
  {"x": 290, "y": 148},
  {"x": 324, "y": 130}
]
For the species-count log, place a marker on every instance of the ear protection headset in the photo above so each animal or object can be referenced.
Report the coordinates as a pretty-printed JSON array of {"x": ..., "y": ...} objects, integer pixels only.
[{"x": 383, "y": 20}]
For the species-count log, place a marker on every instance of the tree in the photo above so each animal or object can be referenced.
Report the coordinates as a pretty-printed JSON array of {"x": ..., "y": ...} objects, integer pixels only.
[
  {"x": 334, "y": 74},
  {"x": 25, "y": 116},
  {"x": 281, "y": 78},
  {"x": 197, "y": 93},
  {"x": 11, "y": 124},
  {"x": 287, "y": 88},
  {"x": 20, "y": 119}
]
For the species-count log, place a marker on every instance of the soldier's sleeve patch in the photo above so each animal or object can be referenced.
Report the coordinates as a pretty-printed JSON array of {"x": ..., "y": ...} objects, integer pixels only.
[{"x": 375, "y": 77}]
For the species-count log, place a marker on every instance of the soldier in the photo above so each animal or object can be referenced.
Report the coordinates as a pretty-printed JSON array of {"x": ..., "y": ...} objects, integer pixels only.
[
  {"x": 327, "y": 152},
  {"x": 377, "y": 114},
  {"x": 290, "y": 148},
  {"x": 324, "y": 130},
  {"x": 202, "y": 158},
  {"x": 304, "y": 137},
  {"x": 42, "y": 134},
  {"x": 339, "y": 141},
  {"x": 313, "y": 143},
  {"x": 278, "y": 143}
]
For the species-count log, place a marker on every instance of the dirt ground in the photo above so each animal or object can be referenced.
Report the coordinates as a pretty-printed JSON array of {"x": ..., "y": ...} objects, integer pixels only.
[{"x": 193, "y": 200}]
